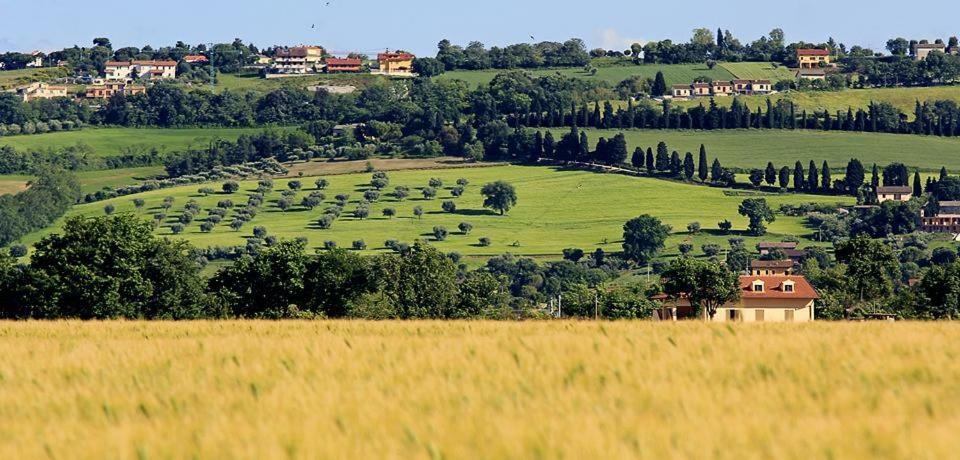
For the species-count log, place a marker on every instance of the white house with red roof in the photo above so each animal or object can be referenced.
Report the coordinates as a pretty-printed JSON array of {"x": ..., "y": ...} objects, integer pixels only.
[
  {"x": 778, "y": 298},
  {"x": 125, "y": 70}
]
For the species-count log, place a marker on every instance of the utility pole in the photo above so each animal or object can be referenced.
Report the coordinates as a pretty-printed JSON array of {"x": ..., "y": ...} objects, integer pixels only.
[
  {"x": 560, "y": 306},
  {"x": 596, "y": 307}
]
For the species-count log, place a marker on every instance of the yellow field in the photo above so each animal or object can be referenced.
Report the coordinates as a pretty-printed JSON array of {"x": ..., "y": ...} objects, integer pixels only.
[{"x": 478, "y": 390}]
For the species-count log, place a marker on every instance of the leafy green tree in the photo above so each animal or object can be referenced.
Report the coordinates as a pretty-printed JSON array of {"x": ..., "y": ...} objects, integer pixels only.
[
  {"x": 759, "y": 213},
  {"x": 265, "y": 285},
  {"x": 707, "y": 284},
  {"x": 335, "y": 280},
  {"x": 869, "y": 264},
  {"x": 499, "y": 195},
  {"x": 113, "y": 267},
  {"x": 643, "y": 237},
  {"x": 465, "y": 227},
  {"x": 941, "y": 291},
  {"x": 418, "y": 283}
]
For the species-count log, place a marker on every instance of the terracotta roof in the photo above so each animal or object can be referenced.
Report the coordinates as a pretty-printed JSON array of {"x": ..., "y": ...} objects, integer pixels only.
[
  {"x": 813, "y": 52},
  {"x": 149, "y": 63},
  {"x": 795, "y": 253},
  {"x": 395, "y": 57},
  {"x": 741, "y": 82},
  {"x": 195, "y": 58},
  {"x": 292, "y": 52},
  {"x": 720, "y": 83},
  {"x": 773, "y": 288},
  {"x": 344, "y": 61},
  {"x": 814, "y": 71},
  {"x": 777, "y": 245},
  {"x": 931, "y": 45},
  {"x": 771, "y": 264},
  {"x": 681, "y": 86},
  {"x": 701, "y": 85},
  {"x": 898, "y": 189},
  {"x": 761, "y": 82}
]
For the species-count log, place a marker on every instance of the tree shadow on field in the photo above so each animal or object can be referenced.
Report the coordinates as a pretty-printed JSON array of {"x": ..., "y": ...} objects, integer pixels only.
[{"x": 468, "y": 212}]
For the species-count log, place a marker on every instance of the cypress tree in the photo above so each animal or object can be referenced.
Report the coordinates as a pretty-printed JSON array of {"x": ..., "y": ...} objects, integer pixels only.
[
  {"x": 770, "y": 174},
  {"x": 584, "y": 147},
  {"x": 917, "y": 187},
  {"x": 596, "y": 120},
  {"x": 702, "y": 164},
  {"x": 688, "y": 167},
  {"x": 854, "y": 176},
  {"x": 549, "y": 145},
  {"x": 825, "y": 182},
  {"x": 663, "y": 157},
  {"x": 602, "y": 153},
  {"x": 637, "y": 159},
  {"x": 875, "y": 177},
  {"x": 784, "y": 177},
  {"x": 813, "y": 177},
  {"x": 659, "y": 87},
  {"x": 537, "y": 151},
  {"x": 651, "y": 166},
  {"x": 798, "y": 179},
  {"x": 716, "y": 171},
  {"x": 943, "y": 172},
  {"x": 676, "y": 166}
]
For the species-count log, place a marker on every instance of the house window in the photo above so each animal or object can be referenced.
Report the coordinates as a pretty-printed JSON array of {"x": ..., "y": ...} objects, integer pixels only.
[
  {"x": 758, "y": 287},
  {"x": 788, "y": 316},
  {"x": 734, "y": 315},
  {"x": 788, "y": 288},
  {"x": 759, "y": 316}
]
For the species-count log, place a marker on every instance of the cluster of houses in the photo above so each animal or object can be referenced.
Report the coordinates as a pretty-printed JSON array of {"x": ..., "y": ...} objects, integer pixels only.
[
  {"x": 301, "y": 60},
  {"x": 721, "y": 88},
  {"x": 946, "y": 220},
  {"x": 771, "y": 292}
]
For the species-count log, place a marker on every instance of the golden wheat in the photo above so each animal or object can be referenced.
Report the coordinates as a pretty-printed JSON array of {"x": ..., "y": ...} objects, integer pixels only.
[{"x": 478, "y": 390}]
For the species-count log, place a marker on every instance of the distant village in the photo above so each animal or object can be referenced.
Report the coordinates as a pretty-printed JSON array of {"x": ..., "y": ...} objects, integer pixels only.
[{"x": 131, "y": 77}]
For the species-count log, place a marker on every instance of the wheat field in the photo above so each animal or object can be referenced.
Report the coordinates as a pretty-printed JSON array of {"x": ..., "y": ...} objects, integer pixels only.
[{"x": 478, "y": 390}]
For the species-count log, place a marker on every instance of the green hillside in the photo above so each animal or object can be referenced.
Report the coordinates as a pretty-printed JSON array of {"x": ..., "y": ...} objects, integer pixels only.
[
  {"x": 673, "y": 74},
  {"x": 556, "y": 209},
  {"x": 114, "y": 141}
]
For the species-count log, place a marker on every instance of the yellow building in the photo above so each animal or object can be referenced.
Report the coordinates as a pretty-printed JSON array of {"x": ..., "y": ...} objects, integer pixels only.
[
  {"x": 813, "y": 58},
  {"x": 41, "y": 91},
  {"x": 396, "y": 63}
]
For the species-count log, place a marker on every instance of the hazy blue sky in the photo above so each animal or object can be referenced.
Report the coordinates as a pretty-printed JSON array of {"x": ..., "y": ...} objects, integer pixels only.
[{"x": 417, "y": 25}]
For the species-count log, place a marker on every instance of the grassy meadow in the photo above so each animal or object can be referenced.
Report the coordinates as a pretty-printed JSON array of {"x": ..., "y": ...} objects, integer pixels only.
[
  {"x": 107, "y": 142},
  {"x": 253, "y": 82},
  {"x": 754, "y": 148},
  {"x": 758, "y": 71},
  {"x": 557, "y": 209},
  {"x": 10, "y": 79},
  {"x": 479, "y": 390}
]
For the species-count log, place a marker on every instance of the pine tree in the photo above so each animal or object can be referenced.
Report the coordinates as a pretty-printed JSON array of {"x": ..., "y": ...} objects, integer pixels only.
[
  {"x": 584, "y": 152},
  {"x": 702, "y": 164},
  {"x": 676, "y": 166},
  {"x": 798, "y": 179},
  {"x": 917, "y": 187},
  {"x": 770, "y": 174},
  {"x": 943, "y": 172},
  {"x": 596, "y": 120},
  {"x": 688, "y": 167}
]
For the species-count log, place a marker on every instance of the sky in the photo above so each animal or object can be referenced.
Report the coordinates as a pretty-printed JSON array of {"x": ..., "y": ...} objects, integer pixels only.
[{"x": 369, "y": 26}]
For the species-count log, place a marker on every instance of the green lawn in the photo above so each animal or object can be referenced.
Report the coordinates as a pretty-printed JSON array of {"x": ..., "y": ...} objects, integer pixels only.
[
  {"x": 673, "y": 73},
  {"x": 107, "y": 142},
  {"x": 90, "y": 181},
  {"x": 754, "y": 148},
  {"x": 556, "y": 210},
  {"x": 758, "y": 71}
]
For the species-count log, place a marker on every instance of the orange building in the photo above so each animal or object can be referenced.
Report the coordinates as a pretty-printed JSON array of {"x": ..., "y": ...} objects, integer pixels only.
[
  {"x": 346, "y": 65},
  {"x": 812, "y": 58},
  {"x": 110, "y": 88}
]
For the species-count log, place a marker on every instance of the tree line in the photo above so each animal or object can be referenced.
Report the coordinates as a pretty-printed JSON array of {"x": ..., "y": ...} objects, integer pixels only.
[
  {"x": 47, "y": 198},
  {"x": 113, "y": 267}
]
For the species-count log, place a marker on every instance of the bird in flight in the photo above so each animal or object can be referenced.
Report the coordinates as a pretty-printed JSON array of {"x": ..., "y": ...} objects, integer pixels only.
[
  {"x": 531, "y": 38},
  {"x": 313, "y": 26}
]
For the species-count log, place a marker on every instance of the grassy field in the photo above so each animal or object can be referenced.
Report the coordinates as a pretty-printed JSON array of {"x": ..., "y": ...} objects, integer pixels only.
[
  {"x": 90, "y": 181},
  {"x": 754, "y": 148},
  {"x": 673, "y": 73},
  {"x": 556, "y": 210},
  {"x": 758, "y": 71},
  {"x": 13, "y": 183},
  {"x": 107, "y": 142},
  {"x": 479, "y": 390},
  {"x": 902, "y": 98}
]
